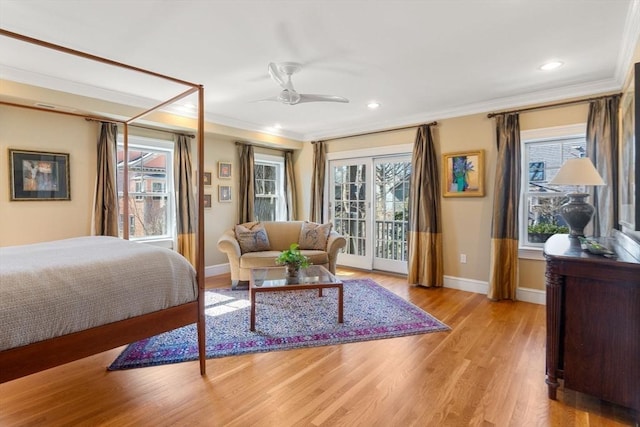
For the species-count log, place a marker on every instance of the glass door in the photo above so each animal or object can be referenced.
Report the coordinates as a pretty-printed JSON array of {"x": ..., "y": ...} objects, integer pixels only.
[
  {"x": 391, "y": 214},
  {"x": 376, "y": 233},
  {"x": 349, "y": 209}
]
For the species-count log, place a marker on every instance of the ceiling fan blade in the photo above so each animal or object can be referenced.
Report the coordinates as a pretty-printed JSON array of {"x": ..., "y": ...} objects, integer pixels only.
[
  {"x": 276, "y": 76},
  {"x": 321, "y": 98},
  {"x": 273, "y": 98}
]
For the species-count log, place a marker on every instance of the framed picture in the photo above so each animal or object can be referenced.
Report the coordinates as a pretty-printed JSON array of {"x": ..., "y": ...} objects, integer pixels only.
[
  {"x": 39, "y": 176},
  {"x": 629, "y": 159},
  {"x": 224, "y": 193},
  {"x": 207, "y": 178},
  {"x": 463, "y": 174},
  {"x": 207, "y": 201},
  {"x": 224, "y": 170}
]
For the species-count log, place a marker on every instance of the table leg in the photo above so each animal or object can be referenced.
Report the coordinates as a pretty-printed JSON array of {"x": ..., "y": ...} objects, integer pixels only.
[
  {"x": 340, "y": 304},
  {"x": 252, "y": 317}
]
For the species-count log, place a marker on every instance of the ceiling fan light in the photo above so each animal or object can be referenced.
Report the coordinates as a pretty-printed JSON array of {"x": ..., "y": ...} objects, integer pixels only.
[
  {"x": 551, "y": 65},
  {"x": 373, "y": 105}
]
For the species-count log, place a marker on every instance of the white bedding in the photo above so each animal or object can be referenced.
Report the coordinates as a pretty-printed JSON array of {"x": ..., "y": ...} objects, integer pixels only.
[{"x": 55, "y": 288}]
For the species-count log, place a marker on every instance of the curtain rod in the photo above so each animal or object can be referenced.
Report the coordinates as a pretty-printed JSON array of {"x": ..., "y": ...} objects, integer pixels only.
[
  {"x": 558, "y": 104},
  {"x": 91, "y": 119},
  {"x": 378, "y": 131},
  {"x": 284, "y": 150}
]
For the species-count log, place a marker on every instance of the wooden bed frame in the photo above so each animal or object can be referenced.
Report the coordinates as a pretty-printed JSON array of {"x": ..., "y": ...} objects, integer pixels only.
[{"x": 21, "y": 361}]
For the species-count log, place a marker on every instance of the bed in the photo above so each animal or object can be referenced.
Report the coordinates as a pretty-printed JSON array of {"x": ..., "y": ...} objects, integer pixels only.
[{"x": 65, "y": 300}]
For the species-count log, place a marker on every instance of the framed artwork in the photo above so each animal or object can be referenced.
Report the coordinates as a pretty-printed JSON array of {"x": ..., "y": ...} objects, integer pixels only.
[
  {"x": 207, "y": 178},
  {"x": 207, "y": 201},
  {"x": 224, "y": 193},
  {"x": 224, "y": 170},
  {"x": 463, "y": 174},
  {"x": 629, "y": 159},
  {"x": 39, "y": 175}
]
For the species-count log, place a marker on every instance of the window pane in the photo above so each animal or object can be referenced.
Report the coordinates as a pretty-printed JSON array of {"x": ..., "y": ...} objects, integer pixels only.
[
  {"x": 542, "y": 161},
  {"x": 149, "y": 192}
]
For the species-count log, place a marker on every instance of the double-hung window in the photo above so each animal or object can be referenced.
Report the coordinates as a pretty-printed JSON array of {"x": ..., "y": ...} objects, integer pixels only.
[
  {"x": 270, "y": 204},
  {"x": 544, "y": 152},
  {"x": 150, "y": 186}
]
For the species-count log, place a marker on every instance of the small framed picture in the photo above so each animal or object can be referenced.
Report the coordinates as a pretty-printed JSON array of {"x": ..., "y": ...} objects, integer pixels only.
[
  {"x": 207, "y": 178},
  {"x": 224, "y": 170},
  {"x": 463, "y": 174},
  {"x": 224, "y": 193},
  {"x": 39, "y": 175},
  {"x": 207, "y": 201}
]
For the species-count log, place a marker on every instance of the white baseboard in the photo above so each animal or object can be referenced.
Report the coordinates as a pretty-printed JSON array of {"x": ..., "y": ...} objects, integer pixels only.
[
  {"x": 214, "y": 270},
  {"x": 534, "y": 296}
]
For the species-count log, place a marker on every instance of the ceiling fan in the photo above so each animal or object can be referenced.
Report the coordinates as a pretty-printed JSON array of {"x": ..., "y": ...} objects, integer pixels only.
[{"x": 281, "y": 74}]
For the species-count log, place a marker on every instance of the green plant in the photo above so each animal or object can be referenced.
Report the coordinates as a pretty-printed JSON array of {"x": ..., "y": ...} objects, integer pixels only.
[
  {"x": 293, "y": 256},
  {"x": 546, "y": 228}
]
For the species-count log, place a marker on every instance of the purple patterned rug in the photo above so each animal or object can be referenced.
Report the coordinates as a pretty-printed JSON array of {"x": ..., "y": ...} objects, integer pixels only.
[{"x": 285, "y": 320}]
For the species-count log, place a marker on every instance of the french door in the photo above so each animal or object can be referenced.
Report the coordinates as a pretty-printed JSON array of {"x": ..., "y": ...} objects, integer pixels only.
[{"x": 369, "y": 205}]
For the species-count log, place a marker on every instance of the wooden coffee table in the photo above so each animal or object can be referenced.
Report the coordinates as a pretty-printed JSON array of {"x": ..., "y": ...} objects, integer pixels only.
[{"x": 274, "y": 279}]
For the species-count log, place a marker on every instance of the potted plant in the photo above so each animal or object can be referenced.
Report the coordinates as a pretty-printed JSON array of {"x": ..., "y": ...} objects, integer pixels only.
[
  {"x": 293, "y": 260},
  {"x": 539, "y": 233}
]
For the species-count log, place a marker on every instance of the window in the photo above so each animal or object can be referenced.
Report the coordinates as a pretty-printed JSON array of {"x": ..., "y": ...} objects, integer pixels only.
[
  {"x": 544, "y": 151},
  {"x": 269, "y": 200},
  {"x": 150, "y": 185}
]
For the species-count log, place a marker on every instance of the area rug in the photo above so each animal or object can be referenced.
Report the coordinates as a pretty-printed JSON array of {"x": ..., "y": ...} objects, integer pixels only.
[{"x": 285, "y": 320}]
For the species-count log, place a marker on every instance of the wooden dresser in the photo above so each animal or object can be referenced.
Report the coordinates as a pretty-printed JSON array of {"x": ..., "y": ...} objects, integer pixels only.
[{"x": 593, "y": 320}]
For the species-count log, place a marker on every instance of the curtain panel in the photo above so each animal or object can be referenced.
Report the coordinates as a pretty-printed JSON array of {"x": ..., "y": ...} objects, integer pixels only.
[
  {"x": 105, "y": 210},
  {"x": 185, "y": 199},
  {"x": 602, "y": 149},
  {"x": 503, "y": 280},
  {"x": 290, "y": 187},
  {"x": 317, "y": 181},
  {"x": 424, "y": 240},
  {"x": 247, "y": 190}
]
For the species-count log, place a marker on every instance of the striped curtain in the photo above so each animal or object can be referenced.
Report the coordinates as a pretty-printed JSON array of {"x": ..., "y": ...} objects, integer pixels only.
[
  {"x": 105, "y": 206},
  {"x": 317, "y": 181},
  {"x": 247, "y": 190},
  {"x": 602, "y": 149},
  {"x": 503, "y": 280},
  {"x": 425, "y": 225},
  {"x": 290, "y": 190},
  {"x": 185, "y": 199}
]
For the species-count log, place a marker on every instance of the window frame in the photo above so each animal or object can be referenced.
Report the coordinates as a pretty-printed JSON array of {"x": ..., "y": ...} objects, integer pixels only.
[
  {"x": 278, "y": 162},
  {"x": 167, "y": 147},
  {"x": 540, "y": 135}
]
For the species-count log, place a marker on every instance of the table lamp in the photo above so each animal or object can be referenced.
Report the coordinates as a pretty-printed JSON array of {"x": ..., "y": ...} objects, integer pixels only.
[{"x": 577, "y": 212}]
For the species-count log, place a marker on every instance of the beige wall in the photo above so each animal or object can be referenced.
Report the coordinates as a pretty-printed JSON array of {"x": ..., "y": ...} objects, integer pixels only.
[
  {"x": 466, "y": 222},
  {"x": 34, "y": 221}
]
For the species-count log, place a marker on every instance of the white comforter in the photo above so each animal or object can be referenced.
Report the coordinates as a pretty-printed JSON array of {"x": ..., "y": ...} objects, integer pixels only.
[{"x": 55, "y": 288}]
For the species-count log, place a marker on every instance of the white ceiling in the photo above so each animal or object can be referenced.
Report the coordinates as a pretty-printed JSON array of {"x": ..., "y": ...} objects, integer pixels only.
[{"x": 422, "y": 60}]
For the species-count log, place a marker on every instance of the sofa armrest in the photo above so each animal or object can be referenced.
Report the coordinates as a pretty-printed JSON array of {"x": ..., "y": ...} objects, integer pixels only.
[
  {"x": 228, "y": 244},
  {"x": 335, "y": 242}
]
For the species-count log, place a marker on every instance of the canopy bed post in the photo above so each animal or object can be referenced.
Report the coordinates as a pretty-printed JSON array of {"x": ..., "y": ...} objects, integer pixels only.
[
  {"x": 125, "y": 179},
  {"x": 202, "y": 338}
]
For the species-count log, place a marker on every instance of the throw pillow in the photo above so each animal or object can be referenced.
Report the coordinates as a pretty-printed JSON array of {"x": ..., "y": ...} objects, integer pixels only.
[
  {"x": 314, "y": 236},
  {"x": 252, "y": 237}
]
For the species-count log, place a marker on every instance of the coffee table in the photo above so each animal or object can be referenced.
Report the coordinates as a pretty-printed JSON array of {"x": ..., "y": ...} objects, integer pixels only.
[{"x": 274, "y": 279}]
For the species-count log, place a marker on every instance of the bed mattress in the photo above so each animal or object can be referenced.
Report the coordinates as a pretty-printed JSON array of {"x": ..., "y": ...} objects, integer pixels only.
[{"x": 56, "y": 288}]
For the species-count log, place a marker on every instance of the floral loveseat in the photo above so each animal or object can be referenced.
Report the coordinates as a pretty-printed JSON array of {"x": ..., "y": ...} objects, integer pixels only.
[{"x": 258, "y": 244}]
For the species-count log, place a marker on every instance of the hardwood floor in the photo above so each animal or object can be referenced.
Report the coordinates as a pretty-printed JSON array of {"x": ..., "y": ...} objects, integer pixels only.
[{"x": 487, "y": 371}]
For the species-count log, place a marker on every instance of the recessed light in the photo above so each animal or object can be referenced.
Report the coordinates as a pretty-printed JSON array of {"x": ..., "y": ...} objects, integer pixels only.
[
  {"x": 373, "y": 105},
  {"x": 551, "y": 65}
]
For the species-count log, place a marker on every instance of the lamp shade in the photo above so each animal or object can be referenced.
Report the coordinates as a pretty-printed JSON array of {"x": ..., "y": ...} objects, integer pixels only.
[{"x": 578, "y": 171}]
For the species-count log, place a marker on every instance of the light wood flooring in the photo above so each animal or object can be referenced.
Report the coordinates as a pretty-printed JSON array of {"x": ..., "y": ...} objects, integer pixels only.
[{"x": 487, "y": 371}]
